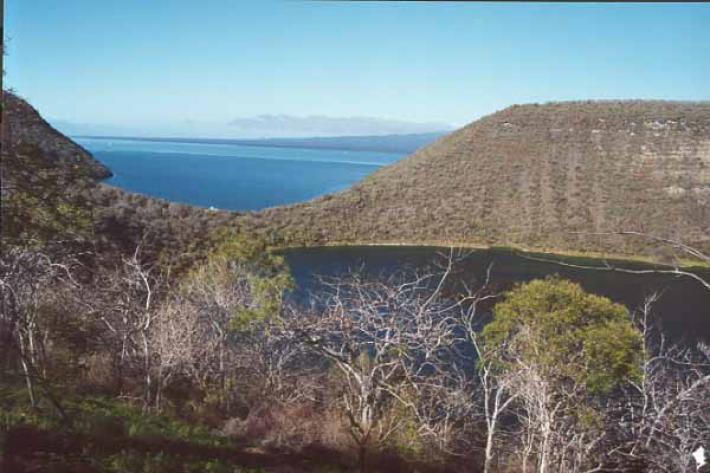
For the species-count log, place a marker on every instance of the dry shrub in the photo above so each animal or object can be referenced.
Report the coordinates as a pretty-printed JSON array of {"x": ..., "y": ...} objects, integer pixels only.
[
  {"x": 292, "y": 427},
  {"x": 99, "y": 370}
]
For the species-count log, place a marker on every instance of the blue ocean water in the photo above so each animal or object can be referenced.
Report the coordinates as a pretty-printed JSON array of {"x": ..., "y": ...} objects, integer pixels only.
[{"x": 231, "y": 176}]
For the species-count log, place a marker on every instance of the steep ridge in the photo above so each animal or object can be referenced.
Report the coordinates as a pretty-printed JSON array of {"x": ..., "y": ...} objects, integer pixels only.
[
  {"x": 545, "y": 177},
  {"x": 22, "y": 124}
]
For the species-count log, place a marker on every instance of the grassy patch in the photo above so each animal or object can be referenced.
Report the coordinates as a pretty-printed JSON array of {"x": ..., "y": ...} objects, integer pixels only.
[{"x": 102, "y": 435}]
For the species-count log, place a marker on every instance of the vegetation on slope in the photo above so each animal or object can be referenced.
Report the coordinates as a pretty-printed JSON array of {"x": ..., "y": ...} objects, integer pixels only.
[
  {"x": 118, "y": 353},
  {"x": 50, "y": 191},
  {"x": 544, "y": 177},
  {"x": 23, "y": 125}
]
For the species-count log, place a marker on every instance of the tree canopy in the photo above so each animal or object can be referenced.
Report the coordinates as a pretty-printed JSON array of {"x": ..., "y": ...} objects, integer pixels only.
[{"x": 566, "y": 334}]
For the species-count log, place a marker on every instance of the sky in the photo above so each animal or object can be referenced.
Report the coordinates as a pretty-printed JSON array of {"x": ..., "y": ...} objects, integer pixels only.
[{"x": 214, "y": 68}]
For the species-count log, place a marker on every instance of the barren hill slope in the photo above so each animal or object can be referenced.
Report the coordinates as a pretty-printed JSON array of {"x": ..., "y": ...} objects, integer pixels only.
[{"x": 538, "y": 176}]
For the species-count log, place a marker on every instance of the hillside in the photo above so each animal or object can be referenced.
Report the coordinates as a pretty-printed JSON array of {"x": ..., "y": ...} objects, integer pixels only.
[
  {"x": 149, "y": 351},
  {"x": 44, "y": 173},
  {"x": 536, "y": 176},
  {"x": 541, "y": 177},
  {"x": 22, "y": 124}
]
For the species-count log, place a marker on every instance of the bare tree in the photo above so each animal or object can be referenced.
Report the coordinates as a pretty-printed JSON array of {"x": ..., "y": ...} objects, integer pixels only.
[
  {"x": 30, "y": 282},
  {"x": 127, "y": 305},
  {"x": 24, "y": 276},
  {"x": 213, "y": 328},
  {"x": 277, "y": 363},
  {"x": 665, "y": 417},
  {"x": 390, "y": 341},
  {"x": 493, "y": 391}
]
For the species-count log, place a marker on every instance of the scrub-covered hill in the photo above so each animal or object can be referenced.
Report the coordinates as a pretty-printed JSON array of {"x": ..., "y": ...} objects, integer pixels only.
[
  {"x": 542, "y": 177},
  {"x": 23, "y": 125}
]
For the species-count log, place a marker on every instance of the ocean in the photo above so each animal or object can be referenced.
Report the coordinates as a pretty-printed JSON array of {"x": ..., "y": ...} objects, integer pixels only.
[{"x": 231, "y": 176}]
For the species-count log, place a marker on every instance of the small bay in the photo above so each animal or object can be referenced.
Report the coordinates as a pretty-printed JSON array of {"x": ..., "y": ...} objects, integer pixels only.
[{"x": 231, "y": 176}]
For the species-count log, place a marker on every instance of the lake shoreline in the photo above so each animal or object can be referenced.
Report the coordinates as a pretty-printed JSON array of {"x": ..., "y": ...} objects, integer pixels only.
[
  {"x": 681, "y": 310},
  {"x": 563, "y": 256}
]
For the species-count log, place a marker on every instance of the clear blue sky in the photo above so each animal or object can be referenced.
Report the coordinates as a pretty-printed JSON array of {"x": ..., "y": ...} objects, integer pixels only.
[{"x": 163, "y": 62}]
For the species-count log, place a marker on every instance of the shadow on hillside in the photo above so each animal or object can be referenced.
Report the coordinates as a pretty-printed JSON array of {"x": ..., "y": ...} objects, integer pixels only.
[{"x": 30, "y": 449}]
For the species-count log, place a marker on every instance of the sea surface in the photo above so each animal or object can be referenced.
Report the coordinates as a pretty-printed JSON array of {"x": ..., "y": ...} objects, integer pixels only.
[{"x": 232, "y": 176}]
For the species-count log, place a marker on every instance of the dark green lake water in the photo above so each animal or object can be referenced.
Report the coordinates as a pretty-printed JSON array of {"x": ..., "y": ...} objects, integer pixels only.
[{"x": 683, "y": 309}]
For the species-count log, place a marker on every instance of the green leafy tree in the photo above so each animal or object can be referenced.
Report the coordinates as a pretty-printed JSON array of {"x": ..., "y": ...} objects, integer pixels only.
[
  {"x": 202, "y": 329},
  {"x": 43, "y": 198},
  {"x": 247, "y": 261},
  {"x": 559, "y": 349},
  {"x": 566, "y": 333}
]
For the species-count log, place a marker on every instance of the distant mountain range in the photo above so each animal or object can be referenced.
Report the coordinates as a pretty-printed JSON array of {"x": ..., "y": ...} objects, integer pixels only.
[
  {"x": 273, "y": 126},
  {"x": 254, "y": 128},
  {"x": 404, "y": 144}
]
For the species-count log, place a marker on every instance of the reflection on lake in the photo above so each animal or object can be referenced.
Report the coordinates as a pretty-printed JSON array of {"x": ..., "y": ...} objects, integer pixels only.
[{"x": 683, "y": 309}]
